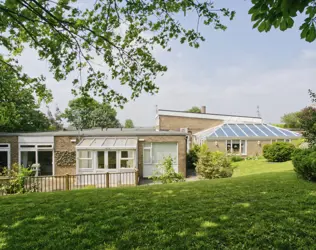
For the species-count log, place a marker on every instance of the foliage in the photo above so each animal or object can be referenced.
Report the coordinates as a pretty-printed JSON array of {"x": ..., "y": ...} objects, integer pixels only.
[
  {"x": 281, "y": 13},
  {"x": 236, "y": 158},
  {"x": 291, "y": 120},
  {"x": 213, "y": 165},
  {"x": 55, "y": 120},
  {"x": 192, "y": 156},
  {"x": 122, "y": 35},
  {"x": 165, "y": 172},
  {"x": 129, "y": 123},
  {"x": 278, "y": 151},
  {"x": 85, "y": 112},
  {"x": 15, "y": 184},
  {"x": 305, "y": 164},
  {"x": 104, "y": 116},
  {"x": 308, "y": 123},
  {"x": 194, "y": 109},
  {"x": 19, "y": 111}
]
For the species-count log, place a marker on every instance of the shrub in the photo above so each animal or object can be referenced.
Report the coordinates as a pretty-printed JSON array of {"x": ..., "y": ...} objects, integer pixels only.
[
  {"x": 15, "y": 184},
  {"x": 236, "y": 158},
  {"x": 278, "y": 151},
  {"x": 165, "y": 173},
  {"x": 304, "y": 161},
  {"x": 213, "y": 165},
  {"x": 192, "y": 156}
]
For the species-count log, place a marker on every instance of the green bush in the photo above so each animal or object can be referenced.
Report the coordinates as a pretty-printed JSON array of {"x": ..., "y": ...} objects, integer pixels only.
[
  {"x": 213, "y": 165},
  {"x": 192, "y": 156},
  {"x": 165, "y": 173},
  {"x": 15, "y": 184},
  {"x": 304, "y": 161},
  {"x": 236, "y": 158},
  {"x": 278, "y": 151}
]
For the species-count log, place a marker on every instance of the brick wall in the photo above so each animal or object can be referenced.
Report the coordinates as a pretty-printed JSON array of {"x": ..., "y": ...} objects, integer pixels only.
[
  {"x": 181, "y": 140},
  {"x": 194, "y": 124},
  {"x": 253, "y": 149},
  {"x": 221, "y": 146},
  {"x": 65, "y": 155},
  {"x": 14, "y": 144}
]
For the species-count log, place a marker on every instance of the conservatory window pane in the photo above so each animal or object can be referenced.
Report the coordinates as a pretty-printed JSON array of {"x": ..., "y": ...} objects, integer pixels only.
[
  {"x": 101, "y": 159},
  {"x": 85, "y": 163},
  {"x": 246, "y": 130},
  {"x": 112, "y": 159},
  {"x": 228, "y": 131},
  {"x": 256, "y": 130},
  {"x": 220, "y": 133},
  {"x": 127, "y": 154},
  {"x": 85, "y": 154},
  {"x": 127, "y": 163},
  {"x": 228, "y": 146},
  {"x": 236, "y": 147}
]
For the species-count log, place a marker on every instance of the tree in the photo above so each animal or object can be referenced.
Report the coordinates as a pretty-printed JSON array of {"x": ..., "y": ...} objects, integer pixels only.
[
  {"x": 85, "y": 112},
  {"x": 291, "y": 120},
  {"x": 129, "y": 123},
  {"x": 104, "y": 116},
  {"x": 79, "y": 111},
  {"x": 120, "y": 34},
  {"x": 308, "y": 124},
  {"x": 19, "y": 111},
  {"x": 194, "y": 109},
  {"x": 55, "y": 120},
  {"x": 280, "y": 14}
]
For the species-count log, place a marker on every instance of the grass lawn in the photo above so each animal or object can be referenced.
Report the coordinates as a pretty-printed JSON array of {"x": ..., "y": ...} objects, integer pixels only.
[
  {"x": 260, "y": 166},
  {"x": 270, "y": 210}
]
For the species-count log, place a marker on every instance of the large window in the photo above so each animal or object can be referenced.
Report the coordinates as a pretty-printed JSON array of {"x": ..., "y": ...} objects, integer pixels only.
[
  {"x": 4, "y": 156},
  {"x": 155, "y": 153},
  {"x": 85, "y": 159},
  {"x": 101, "y": 164},
  {"x": 112, "y": 161},
  {"x": 236, "y": 147}
]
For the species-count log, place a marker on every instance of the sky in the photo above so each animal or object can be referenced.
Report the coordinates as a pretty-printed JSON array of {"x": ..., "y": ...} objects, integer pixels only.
[{"x": 233, "y": 72}]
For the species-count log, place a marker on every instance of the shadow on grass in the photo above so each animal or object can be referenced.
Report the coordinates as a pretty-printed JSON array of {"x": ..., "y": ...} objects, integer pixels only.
[{"x": 245, "y": 212}]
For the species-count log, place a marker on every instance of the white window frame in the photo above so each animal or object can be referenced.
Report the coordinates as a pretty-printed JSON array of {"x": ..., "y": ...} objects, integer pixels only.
[
  {"x": 231, "y": 147},
  {"x": 85, "y": 158},
  {"x": 94, "y": 158},
  {"x": 279, "y": 140},
  {"x": 8, "y": 150},
  {"x": 37, "y": 148}
]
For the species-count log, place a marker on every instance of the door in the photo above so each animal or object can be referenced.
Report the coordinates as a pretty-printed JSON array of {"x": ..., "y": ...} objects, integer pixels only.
[{"x": 45, "y": 159}]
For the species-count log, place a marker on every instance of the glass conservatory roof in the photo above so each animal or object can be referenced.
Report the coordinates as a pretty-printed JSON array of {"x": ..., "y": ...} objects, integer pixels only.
[
  {"x": 107, "y": 143},
  {"x": 246, "y": 130}
]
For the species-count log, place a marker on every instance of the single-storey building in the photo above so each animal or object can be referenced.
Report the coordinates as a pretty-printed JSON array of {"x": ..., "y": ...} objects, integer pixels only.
[
  {"x": 231, "y": 134},
  {"x": 94, "y": 151}
]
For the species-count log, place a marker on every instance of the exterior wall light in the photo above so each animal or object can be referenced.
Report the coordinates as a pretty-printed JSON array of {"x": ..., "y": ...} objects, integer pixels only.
[
  {"x": 216, "y": 143},
  {"x": 259, "y": 143}
]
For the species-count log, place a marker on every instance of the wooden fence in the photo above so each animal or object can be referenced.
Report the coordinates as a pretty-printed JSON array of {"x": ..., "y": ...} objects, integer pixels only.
[{"x": 80, "y": 181}]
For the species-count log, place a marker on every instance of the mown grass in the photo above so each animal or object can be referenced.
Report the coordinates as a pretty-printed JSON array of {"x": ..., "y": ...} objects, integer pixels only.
[
  {"x": 260, "y": 166},
  {"x": 274, "y": 210}
]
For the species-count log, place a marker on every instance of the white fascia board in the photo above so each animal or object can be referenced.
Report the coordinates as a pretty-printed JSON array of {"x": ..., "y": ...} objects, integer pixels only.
[
  {"x": 35, "y": 139},
  {"x": 226, "y": 118}
]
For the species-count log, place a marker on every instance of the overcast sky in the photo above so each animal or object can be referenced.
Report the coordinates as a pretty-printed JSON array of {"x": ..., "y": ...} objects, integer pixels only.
[{"x": 231, "y": 73}]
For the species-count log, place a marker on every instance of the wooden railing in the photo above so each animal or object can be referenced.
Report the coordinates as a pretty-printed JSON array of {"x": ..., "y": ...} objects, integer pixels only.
[{"x": 80, "y": 181}]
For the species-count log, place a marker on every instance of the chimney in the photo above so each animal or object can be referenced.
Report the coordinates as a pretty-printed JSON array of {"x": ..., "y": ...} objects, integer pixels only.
[{"x": 203, "y": 109}]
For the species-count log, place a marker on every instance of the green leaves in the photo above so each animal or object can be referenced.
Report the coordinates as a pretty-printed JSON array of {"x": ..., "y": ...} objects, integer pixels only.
[
  {"x": 122, "y": 34},
  {"x": 280, "y": 13}
]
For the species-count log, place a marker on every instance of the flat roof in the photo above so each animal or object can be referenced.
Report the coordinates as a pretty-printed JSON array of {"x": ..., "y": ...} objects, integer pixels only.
[
  {"x": 99, "y": 132},
  {"x": 224, "y": 117}
]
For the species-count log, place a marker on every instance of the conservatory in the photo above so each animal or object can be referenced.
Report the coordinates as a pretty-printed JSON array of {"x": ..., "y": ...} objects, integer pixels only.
[
  {"x": 106, "y": 154},
  {"x": 243, "y": 138}
]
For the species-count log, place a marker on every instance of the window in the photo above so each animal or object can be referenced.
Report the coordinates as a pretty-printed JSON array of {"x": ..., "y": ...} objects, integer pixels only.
[
  {"x": 112, "y": 159},
  {"x": 155, "y": 153},
  {"x": 237, "y": 147},
  {"x": 28, "y": 158},
  {"x": 127, "y": 159},
  {"x": 27, "y": 146},
  {"x": 85, "y": 159},
  {"x": 101, "y": 160}
]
